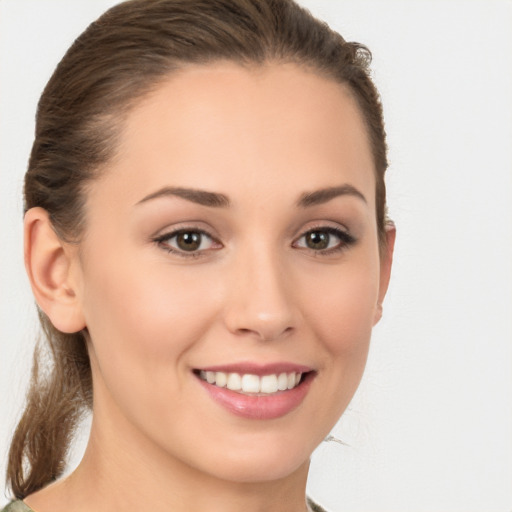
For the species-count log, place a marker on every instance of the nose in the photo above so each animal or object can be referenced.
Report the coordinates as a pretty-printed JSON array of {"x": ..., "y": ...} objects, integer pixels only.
[{"x": 261, "y": 303}]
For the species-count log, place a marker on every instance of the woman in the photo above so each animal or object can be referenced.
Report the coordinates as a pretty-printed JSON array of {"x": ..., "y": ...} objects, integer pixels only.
[{"x": 206, "y": 239}]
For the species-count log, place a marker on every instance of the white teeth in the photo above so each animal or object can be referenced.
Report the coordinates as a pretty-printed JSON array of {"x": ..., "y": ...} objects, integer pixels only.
[
  {"x": 234, "y": 382},
  {"x": 249, "y": 383},
  {"x": 221, "y": 379},
  {"x": 282, "y": 382},
  {"x": 269, "y": 384}
]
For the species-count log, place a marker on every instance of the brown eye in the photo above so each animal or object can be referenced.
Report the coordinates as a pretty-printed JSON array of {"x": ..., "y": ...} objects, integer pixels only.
[
  {"x": 189, "y": 240},
  {"x": 325, "y": 240},
  {"x": 317, "y": 240}
]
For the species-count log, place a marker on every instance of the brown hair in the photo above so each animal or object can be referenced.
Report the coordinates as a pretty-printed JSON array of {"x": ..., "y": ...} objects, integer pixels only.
[{"x": 116, "y": 61}]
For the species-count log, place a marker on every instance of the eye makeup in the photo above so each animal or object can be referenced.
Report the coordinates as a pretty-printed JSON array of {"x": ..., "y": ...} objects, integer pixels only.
[
  {"x": 194, "y": 242},
  {"x": 187, "y": 242},
  {"x": 325, "y": 240}
]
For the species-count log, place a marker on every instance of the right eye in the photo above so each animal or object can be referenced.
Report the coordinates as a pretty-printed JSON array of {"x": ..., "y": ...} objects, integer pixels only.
[{"x": 187, "y": 242}]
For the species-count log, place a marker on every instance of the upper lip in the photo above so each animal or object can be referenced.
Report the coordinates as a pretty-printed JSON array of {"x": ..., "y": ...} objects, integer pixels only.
[{"x": 258, "y": 369}]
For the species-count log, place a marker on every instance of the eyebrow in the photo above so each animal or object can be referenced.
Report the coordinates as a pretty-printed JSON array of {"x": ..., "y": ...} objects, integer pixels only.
[
  {"x": 326, "y": 194},
  {"x": 202, "y": 197},
  {"x": 218, "y": 200}
]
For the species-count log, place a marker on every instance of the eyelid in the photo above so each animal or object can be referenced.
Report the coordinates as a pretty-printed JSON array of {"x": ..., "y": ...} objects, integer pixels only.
[
  {"x": 346, "y": 239},
  {"x": 170, "y": 233}
]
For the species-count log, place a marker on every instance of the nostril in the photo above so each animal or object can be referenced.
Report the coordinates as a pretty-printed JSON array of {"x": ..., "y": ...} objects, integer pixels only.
[
  {"x": 265, "y": 334},
  {"x": 272, "y": 336}
]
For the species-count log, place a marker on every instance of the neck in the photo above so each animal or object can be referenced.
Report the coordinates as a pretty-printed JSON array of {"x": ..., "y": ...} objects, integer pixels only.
[{"x": 135, "y": 476}]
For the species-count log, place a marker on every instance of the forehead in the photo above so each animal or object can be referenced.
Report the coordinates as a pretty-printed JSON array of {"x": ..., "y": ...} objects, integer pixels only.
[{"x": 222, "y": 125}]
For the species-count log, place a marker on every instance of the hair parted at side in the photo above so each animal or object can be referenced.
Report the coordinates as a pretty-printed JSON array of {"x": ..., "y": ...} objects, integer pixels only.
[{"x": 120, "y": 58}]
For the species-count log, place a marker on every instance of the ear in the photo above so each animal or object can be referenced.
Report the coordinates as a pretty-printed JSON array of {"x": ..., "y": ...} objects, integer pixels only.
[
  {"x": 386, "y": 261},
  {"x": 53, "y": 271}
]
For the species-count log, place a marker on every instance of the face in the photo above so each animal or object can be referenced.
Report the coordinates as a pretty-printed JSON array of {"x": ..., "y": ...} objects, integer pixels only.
[{"x": 229, "y": 275}]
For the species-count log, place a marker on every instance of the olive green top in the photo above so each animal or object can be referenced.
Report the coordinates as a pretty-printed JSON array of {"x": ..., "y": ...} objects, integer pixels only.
[{"x": 19, "y": 506}]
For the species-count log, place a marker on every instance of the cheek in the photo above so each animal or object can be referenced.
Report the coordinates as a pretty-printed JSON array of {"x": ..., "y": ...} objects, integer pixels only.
[
  {"x": 142, "y": 326},
  {"x": 144, "y": 317},
  {"x": 342, "y": 314},
  {"x": 340, "y": 317}
]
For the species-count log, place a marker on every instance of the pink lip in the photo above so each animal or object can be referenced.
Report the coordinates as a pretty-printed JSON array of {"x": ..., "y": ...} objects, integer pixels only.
[{"x": 259, "y": 407}]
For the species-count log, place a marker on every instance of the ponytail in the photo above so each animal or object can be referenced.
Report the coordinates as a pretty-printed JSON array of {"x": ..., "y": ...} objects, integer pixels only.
[{"x": 56, "y": 401}]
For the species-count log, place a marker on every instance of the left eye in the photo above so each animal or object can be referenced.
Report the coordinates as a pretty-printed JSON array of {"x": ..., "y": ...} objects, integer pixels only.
[
  {"x": 188, "y": 241},
  {"x": 323, "y": 239}
]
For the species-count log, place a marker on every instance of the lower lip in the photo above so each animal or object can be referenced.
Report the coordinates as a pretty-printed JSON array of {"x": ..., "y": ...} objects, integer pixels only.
[{"x": 260, "y": 407}]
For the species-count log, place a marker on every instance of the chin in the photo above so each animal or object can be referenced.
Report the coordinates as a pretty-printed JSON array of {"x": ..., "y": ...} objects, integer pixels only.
[
  {"x": 263, "y": 469},
  {"x": 263, "y": 457}
]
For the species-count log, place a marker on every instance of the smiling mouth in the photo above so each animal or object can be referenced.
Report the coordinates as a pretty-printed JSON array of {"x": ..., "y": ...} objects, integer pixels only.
[{"x": 250, "y": 384}]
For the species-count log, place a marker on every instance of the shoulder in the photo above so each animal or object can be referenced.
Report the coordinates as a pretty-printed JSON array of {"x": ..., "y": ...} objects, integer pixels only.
[
  {"x": 19, "y": 506},
  {"x": 16, "y": 506},
  {"x": 314, "y": 507}
]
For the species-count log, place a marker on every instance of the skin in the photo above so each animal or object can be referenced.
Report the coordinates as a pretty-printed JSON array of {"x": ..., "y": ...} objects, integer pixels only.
[{"x": 254, "y": 292}]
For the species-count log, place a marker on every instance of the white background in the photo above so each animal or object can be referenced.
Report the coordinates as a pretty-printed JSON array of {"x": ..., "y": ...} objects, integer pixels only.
[{"x": 431, "y": 427}]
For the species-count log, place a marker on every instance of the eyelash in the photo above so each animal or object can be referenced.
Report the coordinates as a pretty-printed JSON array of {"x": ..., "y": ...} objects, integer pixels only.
[
  {"x": 163, "y": 242},
  {"x": 345, "y": 241}
]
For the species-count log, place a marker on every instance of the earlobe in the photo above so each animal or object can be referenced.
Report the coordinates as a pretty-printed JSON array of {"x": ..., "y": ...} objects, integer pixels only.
[
  {"x": 51, "y": 269},
  {"x": 386, "y": 261}
]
